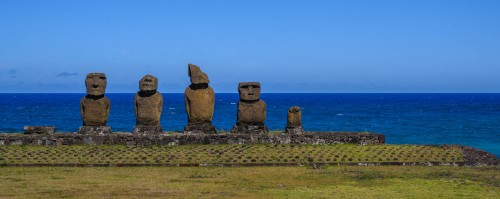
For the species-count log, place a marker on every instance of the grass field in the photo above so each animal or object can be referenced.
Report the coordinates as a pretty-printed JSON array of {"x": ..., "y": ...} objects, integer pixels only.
[
  {"x": 250, "y": 182},
  {"x": 117, "y": 155}
]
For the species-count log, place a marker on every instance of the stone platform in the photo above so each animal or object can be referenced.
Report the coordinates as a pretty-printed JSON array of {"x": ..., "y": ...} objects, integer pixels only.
[
  {"x": 147, "y": 130},
  {"x": 130, "y": 139},
  {"x": 200, "y": 128},
  {"x": 95, "y": 130}
]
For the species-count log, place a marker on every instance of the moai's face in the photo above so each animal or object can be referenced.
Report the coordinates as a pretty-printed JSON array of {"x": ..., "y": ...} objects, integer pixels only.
[
  {"x": 96, "y": 83},
  {"x": 148, "y": 83},
  {"x": 249, "y": 91}
]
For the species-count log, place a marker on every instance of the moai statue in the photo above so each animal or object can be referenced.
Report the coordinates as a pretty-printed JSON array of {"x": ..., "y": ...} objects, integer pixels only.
[
  {"x": 148, "y": 104},
  {"x": 294, "y": 121},
  {"x": 94, "y": 107},
  {"x": 199, "y": 99},
  {"x": 251, "y": 110}
]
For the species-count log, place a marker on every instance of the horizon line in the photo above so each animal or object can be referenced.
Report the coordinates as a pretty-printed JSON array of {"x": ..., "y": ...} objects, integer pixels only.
[{"x": 284, "y": 93}]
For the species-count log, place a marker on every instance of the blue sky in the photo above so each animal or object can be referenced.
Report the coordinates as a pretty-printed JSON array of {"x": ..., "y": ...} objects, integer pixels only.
[{"x": 289, "y": 46}]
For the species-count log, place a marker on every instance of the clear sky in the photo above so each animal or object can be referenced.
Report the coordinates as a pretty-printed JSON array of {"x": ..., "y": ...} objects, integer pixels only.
[{"x": 289, "y": 46}]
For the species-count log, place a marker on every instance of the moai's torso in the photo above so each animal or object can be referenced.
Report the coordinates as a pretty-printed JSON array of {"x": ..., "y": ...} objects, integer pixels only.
[
  {"x": 95, "y": 112},
  {"x": 199, "y": 104},
  {"x": 252, "y": 113},
  {"x": 148, "y": 109},
  {"x": 294, "y": 119}
]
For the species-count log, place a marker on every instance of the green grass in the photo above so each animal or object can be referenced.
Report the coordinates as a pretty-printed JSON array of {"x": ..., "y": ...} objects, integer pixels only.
[
  {"x": 227, "y": 154},
  {"x": 250, "y": 182}
]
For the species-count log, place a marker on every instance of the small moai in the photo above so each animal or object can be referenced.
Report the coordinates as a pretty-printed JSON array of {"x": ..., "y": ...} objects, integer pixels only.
[
  {"x": 251, "y": 110},
  {"x": 94, "y": 107},
  {"x": 199, "y": 99},
  {"x": 294, "y": 121},
  {"x": 148, "y": 105}
]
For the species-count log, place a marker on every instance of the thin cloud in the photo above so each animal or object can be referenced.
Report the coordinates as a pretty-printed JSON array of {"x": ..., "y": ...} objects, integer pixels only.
[
  {"x": 66, "y": 74},
  {"x": 13, "y": 73}
]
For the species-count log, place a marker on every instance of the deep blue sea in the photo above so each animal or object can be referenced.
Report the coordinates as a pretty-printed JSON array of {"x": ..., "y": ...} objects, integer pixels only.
[{"x": 467, "y": 119}]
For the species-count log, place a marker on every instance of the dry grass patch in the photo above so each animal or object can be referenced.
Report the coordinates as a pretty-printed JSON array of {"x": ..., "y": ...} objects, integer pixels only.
[{"x": 249, "y": 182}]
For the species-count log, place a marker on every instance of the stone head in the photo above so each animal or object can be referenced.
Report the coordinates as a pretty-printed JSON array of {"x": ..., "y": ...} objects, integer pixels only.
[
  {"x": 96, "y": 83},
  {"x": 148, "y": 83},
  {"x": 196, "y": 75},
  {"x": 249, "y": 91},
  {"x": 294, "y": 109}
]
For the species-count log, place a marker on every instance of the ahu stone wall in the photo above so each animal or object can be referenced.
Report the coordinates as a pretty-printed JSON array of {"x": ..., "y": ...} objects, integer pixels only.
[{"x": 130, "y": 139}]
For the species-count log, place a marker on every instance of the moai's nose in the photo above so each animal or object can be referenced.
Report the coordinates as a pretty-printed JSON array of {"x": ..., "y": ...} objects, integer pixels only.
[
  {"x": 95, "y": 84},
  {"x": 250, "y": 90}
]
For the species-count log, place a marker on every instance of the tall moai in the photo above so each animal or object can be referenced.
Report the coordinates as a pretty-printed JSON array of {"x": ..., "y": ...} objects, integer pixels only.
[
  {"x": 199, "y": 99},
  {"x": 94, "y": 107},
  {"x": 148, "y": 105},
  {"x": 251, "y": 110},
  {"x": 294, "y": 121}
]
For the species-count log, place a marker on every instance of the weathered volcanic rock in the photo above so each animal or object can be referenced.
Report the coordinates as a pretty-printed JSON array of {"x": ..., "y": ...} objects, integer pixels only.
[
  {"x": 46, "y": 130},
  {"x": 476, "y": 157},
  {"x": 294, "y": 117},
  {"x": 95, "y": 130},
  {"x": 249, "y": 91},
  {"x": 200, "y": 128},
  {"x": 148, "y": 103},
  {"x": 294, "y": 121},
  {"x": 95, "y": 106},
  {"x": 199, "y": 100},
  {"x": 251, "y": 109},
  {"x": 128, "y": 139},
  {"x": 96, "y": 84},
  {"x": 147, "y": 130},
  {"x": 253, "y": 113},
  {"x": 250, "y": 129},
  {"x": 196, "y": 75},
  {"x": 95, "y": 110}
]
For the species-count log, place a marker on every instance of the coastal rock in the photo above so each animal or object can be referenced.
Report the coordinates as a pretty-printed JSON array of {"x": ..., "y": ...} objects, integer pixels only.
[
  {"x": 148, "y": 105},
  {"x": 251, "y": 110},
  {"x": 199, "y": 100},
  {"x": 294, "y": 121},
  {"x": 94, "y": 107}
]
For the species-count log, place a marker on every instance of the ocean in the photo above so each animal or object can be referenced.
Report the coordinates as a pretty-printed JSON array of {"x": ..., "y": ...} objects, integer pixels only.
[{"x": 466, "y": 119}]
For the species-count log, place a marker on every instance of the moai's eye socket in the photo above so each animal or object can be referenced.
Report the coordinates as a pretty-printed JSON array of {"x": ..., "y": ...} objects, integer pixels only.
[
  {"x": 101, "y": 77},
  {"x": 245, "y": 86},
  {"x": 148, "y": 80}
]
